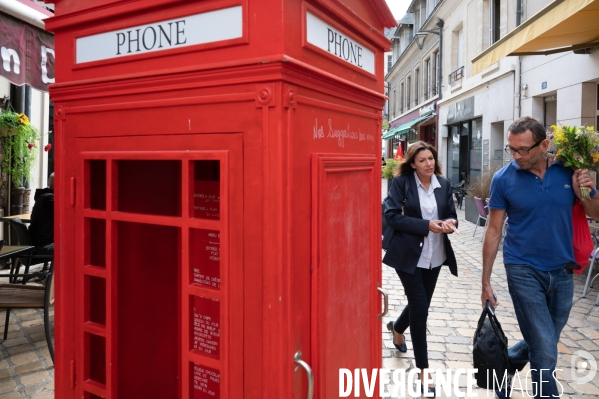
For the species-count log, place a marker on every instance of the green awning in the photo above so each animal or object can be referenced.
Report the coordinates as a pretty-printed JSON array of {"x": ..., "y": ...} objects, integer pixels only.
[{"x": 403, "y": 129}]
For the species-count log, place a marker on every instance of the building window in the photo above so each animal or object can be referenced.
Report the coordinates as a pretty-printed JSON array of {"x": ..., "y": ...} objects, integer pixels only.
[
  {"x": 394, "y": 107},
  {"x": 417, "y": 87},
  {"x": 401, "y": 98},
  {"x": 460, "y": 54},
  {"x": 408, "y": 92},
  {"x": 435, "y": 73},
  {"x": 495, "y": 19},
  {"x": 389, "y": 62},
  {"x": 428, "y": 77}
]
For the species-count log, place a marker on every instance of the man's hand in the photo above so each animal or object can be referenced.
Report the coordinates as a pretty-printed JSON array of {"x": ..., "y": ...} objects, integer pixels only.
[
  {"x": 488, "y": 294},
  {"x": 582, "y": 178}
]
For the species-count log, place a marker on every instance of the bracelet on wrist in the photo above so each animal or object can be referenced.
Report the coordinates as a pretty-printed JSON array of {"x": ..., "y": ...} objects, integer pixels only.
[{"x": 592, "y": 193}]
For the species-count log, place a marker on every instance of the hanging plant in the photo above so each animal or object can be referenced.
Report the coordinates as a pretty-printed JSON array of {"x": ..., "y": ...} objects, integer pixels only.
[{"x": 19, "y": 143}]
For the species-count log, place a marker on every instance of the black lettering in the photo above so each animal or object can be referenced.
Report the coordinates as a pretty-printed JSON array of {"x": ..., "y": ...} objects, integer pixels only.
[
  {"x": 143, "y": 38},
  {"x": 337, "y": 43},
  {"x": 180, "y": 31},
  {"x": 360, "y": 57},
  {"x": 133, "y": 40},
  {"x": 331, "y": 38},
  {"x": 352, "y": 53},
  {"x": 167, "y": 37},
  {"x": 119, "y": 43},
  {"x": 344, "y": 51}
]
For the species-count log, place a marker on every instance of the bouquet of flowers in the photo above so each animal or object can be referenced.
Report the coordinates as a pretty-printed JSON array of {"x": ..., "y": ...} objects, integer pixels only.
[{"x": 578, "y": 148}]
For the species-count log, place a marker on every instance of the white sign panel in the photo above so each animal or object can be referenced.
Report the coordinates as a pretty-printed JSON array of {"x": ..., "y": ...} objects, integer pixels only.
[
  {"x": 331, "y": 40},
  {"x": 196, "y": 29}
]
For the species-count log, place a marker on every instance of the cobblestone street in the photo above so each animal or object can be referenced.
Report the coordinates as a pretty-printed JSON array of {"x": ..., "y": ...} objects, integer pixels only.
[
  {"x": 456, "y": 308},
  {"x": 26, "y": 370}
]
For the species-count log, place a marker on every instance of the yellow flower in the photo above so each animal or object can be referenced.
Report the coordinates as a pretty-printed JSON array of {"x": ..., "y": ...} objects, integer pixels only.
[
  {"x": 559, "y": 152},
  {"x": 24, "y": 119},
  {"x": 559, "y": 136},
  {"x": 595, "y": 156}
]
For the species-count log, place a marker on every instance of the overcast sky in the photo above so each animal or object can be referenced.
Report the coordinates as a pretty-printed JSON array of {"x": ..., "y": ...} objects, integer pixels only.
[{"x": 398, "y": 7}]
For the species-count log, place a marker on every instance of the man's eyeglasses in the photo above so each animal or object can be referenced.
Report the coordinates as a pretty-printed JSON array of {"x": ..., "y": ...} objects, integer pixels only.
[{"x": 521, "y": 151}]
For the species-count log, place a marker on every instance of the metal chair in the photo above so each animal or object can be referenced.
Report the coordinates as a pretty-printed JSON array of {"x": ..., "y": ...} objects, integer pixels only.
[
  {"x": 594, "y": 259},
  {"x": 482, "y": 215},
  {"x": 24, "y": 238},
  {"x": 22, "y": 296},
  {"x": 459, "y": 193}
]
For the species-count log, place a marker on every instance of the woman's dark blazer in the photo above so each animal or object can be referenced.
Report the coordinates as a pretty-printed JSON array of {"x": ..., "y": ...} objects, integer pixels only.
[{"x": 410, "y": 229}]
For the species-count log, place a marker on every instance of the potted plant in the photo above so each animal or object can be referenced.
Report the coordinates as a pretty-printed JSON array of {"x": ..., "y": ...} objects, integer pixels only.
[
  {"x": 481, "y": 189},
  {"x": 388, "y": 169},
  {"x": 20, "y": 137}
]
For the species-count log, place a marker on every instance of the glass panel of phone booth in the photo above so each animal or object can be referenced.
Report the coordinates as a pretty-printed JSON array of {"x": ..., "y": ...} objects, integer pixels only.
[{"x": 165, "y": 271}]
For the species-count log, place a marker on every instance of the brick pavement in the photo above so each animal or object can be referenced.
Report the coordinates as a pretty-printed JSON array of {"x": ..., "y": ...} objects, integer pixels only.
[
  {"x": 455, "y": 310},
  {"x": 26, "y": 369}
]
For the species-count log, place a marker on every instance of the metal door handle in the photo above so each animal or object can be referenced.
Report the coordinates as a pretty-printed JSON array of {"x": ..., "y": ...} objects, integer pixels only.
[
  {"x": 298, "y": 360},
  {"x": 385, "y": 301}
]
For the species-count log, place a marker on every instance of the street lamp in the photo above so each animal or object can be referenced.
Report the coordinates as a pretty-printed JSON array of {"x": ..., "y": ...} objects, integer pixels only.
[{"x": 421, "y": 36}]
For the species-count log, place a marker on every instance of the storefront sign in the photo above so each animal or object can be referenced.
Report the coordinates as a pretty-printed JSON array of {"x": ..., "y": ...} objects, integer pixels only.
[
  {"x": 26, "y": 53},
  {"x": 329, "y": 39},
  {"x": 429, "y": 109},
  {"x": 208, "y": 27},
  {"x": 460, "y": 110}
]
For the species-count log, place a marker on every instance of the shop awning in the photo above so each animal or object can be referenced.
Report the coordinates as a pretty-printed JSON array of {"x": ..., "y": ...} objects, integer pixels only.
[
  {"x": 403, "y": 129},
  {"x": 564, "y": 25},
  {"x": 27, "y": 53}
]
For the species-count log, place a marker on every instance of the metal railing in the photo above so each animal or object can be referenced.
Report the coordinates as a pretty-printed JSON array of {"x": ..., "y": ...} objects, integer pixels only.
[{"x": 456, "y": 75}]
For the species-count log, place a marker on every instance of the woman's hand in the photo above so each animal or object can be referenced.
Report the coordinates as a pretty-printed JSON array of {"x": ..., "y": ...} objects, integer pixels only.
[
  {"x": 436, "y": 226},
  {"x": 449, "y": 226},
  {"x": 442, "y": 226}
]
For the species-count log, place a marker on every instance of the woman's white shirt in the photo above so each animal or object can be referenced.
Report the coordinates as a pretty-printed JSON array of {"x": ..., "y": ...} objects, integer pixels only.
[{"x": 433, "y": 248}]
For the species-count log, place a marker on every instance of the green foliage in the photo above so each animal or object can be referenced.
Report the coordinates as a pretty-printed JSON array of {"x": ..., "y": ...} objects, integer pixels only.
[
  {"x": 19, "y": 138},
  {"x": 390, "y": 166}
]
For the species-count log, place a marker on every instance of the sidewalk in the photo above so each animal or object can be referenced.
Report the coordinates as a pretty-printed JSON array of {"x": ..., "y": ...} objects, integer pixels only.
[
  {"x": 26, "y": 370},
  {"x": 455, "y": 310}
]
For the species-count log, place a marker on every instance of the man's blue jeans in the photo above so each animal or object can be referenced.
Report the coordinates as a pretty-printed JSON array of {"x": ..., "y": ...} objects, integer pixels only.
[{"x": 542, "y": 301}]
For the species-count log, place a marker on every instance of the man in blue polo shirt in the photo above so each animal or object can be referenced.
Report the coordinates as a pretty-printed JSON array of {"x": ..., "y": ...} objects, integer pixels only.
[{"x": 537, "y": 196}]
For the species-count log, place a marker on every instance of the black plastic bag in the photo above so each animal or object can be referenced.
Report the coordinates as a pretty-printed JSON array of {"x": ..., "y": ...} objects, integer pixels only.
[{"x": 489, "y": 351}]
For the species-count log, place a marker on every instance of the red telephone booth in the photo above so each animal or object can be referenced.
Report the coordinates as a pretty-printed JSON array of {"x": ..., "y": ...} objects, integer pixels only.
[{"x": 218, "y": 196}]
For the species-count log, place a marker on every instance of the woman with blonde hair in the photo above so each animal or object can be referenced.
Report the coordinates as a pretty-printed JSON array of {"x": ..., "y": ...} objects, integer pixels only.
[{"x": 422, "y": 213}]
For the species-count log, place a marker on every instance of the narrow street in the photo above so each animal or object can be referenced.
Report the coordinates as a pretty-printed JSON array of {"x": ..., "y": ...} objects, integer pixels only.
[{"x": 456, "y": 308}]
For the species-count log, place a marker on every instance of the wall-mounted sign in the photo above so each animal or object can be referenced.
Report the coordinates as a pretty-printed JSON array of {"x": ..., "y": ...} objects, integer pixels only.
[
  {"x": 460, "y": 110},
  {"x": 543, "y": 85},
  {"x": 427, "y": 110},
  {"x": 207, "y": 27},
  {"x": 329, "y": 39}
]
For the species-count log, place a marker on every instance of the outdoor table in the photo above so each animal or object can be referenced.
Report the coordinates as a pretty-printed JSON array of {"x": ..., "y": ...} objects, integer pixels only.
[
  {"x": 25, "y": 218},
  {"x": 14, "y": 251}
]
